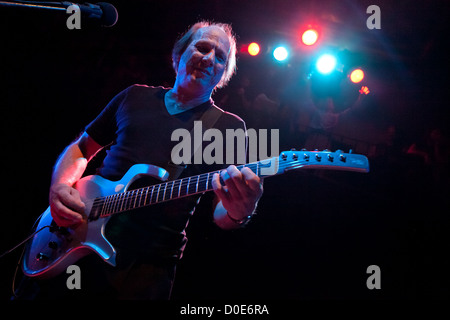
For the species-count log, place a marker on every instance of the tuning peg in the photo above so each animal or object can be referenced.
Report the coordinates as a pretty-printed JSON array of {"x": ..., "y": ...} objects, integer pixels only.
[{"x": 293, "y": 149}]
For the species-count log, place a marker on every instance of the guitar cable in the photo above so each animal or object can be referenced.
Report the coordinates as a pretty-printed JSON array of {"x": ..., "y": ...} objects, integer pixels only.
[
  {"x": 22, "y": 242},
  {"x": 23, "y": 251}
]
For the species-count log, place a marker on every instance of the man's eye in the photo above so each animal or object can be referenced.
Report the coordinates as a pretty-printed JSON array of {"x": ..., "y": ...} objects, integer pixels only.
[
  {"x": 221, "y": 58},
  {"x": 203, "y": 49}
]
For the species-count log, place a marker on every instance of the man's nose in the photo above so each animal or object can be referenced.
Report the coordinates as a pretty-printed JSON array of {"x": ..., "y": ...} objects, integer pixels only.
[{"x": 208, "y": 59}]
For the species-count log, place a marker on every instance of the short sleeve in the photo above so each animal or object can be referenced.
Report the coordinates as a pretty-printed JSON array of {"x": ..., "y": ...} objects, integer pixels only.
[{"x": 103, "y": 129}]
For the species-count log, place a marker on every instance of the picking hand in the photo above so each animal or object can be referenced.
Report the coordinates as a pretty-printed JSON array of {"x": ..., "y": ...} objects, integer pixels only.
[{"x": 66, "y": 206}]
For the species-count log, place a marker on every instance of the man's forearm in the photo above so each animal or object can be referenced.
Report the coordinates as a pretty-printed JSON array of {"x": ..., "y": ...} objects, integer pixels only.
[
  {"x": 73, "y": 161},
  {"x": 70, "y": 166}
]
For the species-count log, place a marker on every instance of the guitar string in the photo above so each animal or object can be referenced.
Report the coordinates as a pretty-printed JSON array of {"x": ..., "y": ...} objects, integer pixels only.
[
  {"x": 116, "y": 200},
  {"x": 123, "y": 199}
]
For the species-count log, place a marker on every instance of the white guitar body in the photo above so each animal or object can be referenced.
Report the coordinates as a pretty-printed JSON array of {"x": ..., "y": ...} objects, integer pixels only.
[{"x": 54, "y": 248}]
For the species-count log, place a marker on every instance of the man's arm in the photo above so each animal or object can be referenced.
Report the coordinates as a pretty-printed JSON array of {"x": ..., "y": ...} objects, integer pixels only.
[
  {"x": 65, "y": 202},
  {"x": 237, "y": 199}
]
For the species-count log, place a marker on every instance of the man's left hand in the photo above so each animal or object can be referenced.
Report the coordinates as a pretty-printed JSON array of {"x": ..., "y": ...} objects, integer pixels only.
[{"x": 240, "y": 192}]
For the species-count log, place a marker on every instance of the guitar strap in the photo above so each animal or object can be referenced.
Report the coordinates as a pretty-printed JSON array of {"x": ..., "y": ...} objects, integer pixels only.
[{"x": 208, "y": 119}]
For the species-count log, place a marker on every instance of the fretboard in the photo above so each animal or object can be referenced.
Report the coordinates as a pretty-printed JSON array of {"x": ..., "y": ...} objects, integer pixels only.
[{"x": 174, "y": 189}]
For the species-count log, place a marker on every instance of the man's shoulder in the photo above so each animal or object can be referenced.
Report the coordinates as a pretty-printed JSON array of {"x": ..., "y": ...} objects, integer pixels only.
[
  {"x": 231, "y": 118},
  {"x": 146, "y": 89}
]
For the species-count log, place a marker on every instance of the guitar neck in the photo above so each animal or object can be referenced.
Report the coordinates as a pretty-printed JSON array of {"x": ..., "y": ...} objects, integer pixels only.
[
  {"x": 170, "y": 190},
  {"x": 174, "y": 189}
]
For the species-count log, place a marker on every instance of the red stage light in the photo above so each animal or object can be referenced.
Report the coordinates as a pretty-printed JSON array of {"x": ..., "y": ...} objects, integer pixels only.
[
  {"x": 253, "y": 49},
  {"x": 309, "y": 37},
  {"x": 357, "y": 76},
  {"x": 364, "y": 90}
]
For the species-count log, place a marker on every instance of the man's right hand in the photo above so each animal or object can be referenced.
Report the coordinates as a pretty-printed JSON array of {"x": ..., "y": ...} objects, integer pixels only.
[{"x": 66, "y": 206}]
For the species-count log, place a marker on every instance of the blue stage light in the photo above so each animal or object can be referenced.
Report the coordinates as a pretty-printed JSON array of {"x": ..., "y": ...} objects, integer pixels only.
[
  {"x": 326, "y": 63},
  {"x": 280, "y": 53}
]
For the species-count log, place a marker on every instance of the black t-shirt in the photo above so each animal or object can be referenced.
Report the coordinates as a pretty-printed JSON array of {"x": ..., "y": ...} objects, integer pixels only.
[{"x": 137, "y": 128}]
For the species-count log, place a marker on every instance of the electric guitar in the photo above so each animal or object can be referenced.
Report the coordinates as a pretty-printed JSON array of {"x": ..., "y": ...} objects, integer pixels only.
[{"x": 53, "y": 249}]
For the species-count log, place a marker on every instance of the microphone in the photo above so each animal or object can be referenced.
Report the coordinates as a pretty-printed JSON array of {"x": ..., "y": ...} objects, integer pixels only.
[{"x": 103, "y": 12}]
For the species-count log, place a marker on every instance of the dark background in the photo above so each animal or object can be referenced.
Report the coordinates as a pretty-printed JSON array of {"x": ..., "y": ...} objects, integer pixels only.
[{"x": 316, "y": 232}]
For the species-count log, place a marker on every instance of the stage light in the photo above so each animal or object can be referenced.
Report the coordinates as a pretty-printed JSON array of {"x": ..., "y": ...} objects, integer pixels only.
[
  {"x": 280, "y": 53},
  {"x": 253, "y": 49},
  {"x": 357, "y": 76},
  {"x": 310, "y": 37},
  {"x": 326, "y": 64},
  {"x": 364, "y": 90}
]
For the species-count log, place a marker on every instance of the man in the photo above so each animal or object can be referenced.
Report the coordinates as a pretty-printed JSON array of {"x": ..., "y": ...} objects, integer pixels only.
[{"x": 136, "y": 127}]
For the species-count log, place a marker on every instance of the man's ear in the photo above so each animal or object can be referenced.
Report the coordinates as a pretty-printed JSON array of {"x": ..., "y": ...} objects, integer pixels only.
[{"x": 176, "y": 63}]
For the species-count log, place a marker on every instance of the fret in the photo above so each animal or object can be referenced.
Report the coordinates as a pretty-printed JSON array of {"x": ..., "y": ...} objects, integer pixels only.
[
  {"x": 151, "y": 195},
  {"x": 121, "y": 198},
  {"x": 196, "y": 185},
  {"x": 110, "y": 204},
  {"x": 157, "y": 194},
  {"x": 187, "y": 187},
  {"x": 179, "y": 188},
  {"x": 164, "y": 193},
  {"x": 105, "y": 204},
  {"x": 126, "y": 200},
  {"x": 135, "y": 198},
  {"x": 140, "y": 197},
  {"x": 207, "y": 180},
  {"x": 146, "y": 195},
  {"x": 165, "y": 190},
  {"x": 114, "y": 203},
  {"x": 123, "y": 201},
  {"x": 171, "y": 189}
]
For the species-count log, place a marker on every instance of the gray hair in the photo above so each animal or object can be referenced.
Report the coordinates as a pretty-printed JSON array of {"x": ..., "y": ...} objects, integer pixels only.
[{"x": 183, "y": 42}]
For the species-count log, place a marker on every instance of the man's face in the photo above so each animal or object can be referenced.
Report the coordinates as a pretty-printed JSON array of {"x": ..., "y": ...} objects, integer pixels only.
[{"x": 203, "y": 62}]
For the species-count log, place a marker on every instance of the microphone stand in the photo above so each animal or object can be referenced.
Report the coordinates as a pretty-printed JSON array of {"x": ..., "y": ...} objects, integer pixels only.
[
  {"x": 103, "y": 12},
  {"x": 35, "y": 5}
]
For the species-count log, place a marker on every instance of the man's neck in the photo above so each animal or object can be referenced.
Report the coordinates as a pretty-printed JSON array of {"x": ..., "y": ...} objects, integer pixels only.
[{"x": 178, "y": 100}]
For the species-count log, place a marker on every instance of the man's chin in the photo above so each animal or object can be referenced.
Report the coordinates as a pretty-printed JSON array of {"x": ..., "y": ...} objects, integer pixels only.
[{"x": 200, "y": 81}]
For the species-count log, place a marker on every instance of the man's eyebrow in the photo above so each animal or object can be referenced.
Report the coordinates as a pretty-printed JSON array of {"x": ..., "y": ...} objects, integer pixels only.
[{"x": 210, "y": 42}]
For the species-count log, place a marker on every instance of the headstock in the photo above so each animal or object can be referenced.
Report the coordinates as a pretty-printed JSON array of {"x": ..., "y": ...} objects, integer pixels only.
[
  {"x": 295, "y": 159},
  {"x": 325, "y": 159}
]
